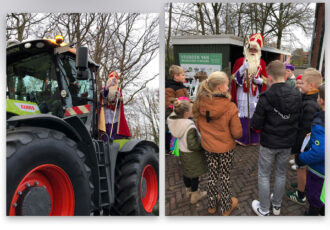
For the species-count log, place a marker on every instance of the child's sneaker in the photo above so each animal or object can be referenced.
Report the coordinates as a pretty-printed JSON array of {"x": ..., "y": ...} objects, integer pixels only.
[
  {"x": 294, "y": 186},
  {"x": 292, "y": 161},
  {"x": 196, "y": 196},
  {"x": 294, "y": 167},
  {"x": 295, "y": 198},
  {"x": 276, "y": 209},
  {"x": 188, "y": 192},
  {"x": 256, "y": 208}
]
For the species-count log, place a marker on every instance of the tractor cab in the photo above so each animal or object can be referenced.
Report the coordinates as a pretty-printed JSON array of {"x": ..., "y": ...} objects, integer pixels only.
[{"x": 42, "y": 76}]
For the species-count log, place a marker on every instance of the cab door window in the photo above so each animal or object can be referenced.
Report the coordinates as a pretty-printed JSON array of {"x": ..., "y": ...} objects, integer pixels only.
[{"x": 79, "y": 89}]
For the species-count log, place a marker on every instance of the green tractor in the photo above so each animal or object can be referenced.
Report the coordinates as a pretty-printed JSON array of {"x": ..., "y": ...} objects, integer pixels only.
[{"x": 56, "y": 162}]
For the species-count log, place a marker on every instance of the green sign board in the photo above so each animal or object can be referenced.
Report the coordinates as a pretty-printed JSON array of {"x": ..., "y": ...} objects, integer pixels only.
[
  {"x": 201, "y": 58},
  {"x": 200, "y": 63}
]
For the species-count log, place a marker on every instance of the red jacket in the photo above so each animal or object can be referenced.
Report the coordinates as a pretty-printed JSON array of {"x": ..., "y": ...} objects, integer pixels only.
[{"x": 262, "y": 73}]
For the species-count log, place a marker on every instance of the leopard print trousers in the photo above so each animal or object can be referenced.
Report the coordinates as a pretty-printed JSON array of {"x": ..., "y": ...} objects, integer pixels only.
[{"x": 219, "y": 166}]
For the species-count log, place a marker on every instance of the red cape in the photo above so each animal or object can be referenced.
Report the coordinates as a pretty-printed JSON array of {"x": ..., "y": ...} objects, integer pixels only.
[
  {"x": 238, "y": 63},
  {"x": 122, "y": 123}
]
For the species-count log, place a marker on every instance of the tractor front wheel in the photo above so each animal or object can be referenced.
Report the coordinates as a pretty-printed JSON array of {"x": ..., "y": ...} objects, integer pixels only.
[
  {"x": 46, "y": 174},
  {"x": 136, "y": 182}
]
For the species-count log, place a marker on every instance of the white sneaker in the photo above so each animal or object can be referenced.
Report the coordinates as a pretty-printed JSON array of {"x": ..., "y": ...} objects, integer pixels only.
[
  {"x": 276, "y": 209},
  {"x": 292, "y": 161},
  {"x": 294, "y": 167},
  {"x": 256, "y": 208}
]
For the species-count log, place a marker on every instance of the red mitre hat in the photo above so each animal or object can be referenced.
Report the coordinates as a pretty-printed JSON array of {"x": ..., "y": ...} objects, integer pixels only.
[
  {"x": 113, "y": 74},
  {"x": 258, "y": 38}
]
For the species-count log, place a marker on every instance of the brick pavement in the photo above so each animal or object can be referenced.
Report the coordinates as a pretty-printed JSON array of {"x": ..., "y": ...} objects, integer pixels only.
[{"x": 244, "y": 186}]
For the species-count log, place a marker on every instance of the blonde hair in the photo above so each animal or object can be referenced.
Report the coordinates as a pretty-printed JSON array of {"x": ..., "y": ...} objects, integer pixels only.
[
  {"x": 311, "y": 75},
  {"x": 175, "y": 70},
  {"x": 208, "y": 87},
  {"x": 180, "y": 107}
]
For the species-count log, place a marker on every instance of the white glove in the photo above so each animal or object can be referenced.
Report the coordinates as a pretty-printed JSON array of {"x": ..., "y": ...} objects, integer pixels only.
[
  {"x": 258, "y": 80},
  {"x": 244, "y": 67}
]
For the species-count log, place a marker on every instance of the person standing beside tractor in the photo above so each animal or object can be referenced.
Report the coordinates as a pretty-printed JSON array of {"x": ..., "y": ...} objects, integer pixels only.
[
  {"x": 112, "y": 119},
  {"x": 249, "y": 79}
]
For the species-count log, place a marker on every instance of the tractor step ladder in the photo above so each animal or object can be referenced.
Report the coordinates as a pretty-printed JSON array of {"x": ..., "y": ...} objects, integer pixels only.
[{"x": 104, "y": 172}]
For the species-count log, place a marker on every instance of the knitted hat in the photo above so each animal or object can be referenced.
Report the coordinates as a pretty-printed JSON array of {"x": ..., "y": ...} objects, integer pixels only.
[{"x": 299, "y": 77}]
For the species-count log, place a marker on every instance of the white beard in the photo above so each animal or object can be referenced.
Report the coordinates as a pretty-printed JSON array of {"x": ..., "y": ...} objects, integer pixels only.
[
  {"x": 112, "y": 93},
  {"x": 254, "y": 62}
]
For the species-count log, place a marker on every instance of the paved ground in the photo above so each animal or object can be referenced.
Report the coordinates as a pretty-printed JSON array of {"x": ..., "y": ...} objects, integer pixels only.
[{"x": 244, "y": 182}]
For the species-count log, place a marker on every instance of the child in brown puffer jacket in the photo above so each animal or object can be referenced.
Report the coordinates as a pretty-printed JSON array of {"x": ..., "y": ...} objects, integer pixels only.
[
  {"x": 218, "y": 122},
  {"x": 192, "y": 156}
]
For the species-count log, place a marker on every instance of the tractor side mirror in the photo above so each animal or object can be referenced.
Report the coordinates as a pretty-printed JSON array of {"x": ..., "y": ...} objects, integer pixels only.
[{"x": 82, "y": 63}]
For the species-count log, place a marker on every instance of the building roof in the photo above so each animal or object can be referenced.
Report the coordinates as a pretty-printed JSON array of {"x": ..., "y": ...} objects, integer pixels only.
[{"x": 228, "y": 39}]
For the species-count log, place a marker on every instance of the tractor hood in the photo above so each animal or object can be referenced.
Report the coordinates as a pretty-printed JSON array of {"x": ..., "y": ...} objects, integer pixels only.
[{"x": 18, "y": 107}]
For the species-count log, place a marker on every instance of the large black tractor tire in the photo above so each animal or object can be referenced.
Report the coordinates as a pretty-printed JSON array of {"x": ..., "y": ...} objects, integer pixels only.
[
  {"x": 136, "y": 189},
  {"x": 46, "y": 174}
]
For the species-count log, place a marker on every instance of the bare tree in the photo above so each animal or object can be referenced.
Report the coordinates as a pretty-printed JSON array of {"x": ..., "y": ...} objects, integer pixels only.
[
  {"x": 74, "y": 27},
  {"x": 145, "y": 123},
  {"x": 200, "y": 18},
  {"x": 169, "y": 31},
  {"x": 19, "y": 25},
  {"x": 290, "y": 14},
  {"x": 241, "y": 18},
  {"x": 134, "y": 46}
]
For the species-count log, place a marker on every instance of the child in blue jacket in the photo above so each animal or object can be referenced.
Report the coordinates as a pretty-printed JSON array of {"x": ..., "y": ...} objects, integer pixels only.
[{"x": 314, "y": 158}]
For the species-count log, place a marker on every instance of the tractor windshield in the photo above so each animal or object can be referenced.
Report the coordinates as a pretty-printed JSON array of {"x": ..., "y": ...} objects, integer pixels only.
[{"x": 33, "y": 79}]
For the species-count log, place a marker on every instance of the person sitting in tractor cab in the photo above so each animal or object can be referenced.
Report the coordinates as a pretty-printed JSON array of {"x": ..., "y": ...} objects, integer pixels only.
[
  {"x": 112, "y": 119},
  {"x": 50, "y": 95}
]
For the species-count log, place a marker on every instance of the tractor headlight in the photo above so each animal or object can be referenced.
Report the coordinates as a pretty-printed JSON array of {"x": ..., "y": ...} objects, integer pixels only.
[
  {"x": 27, "y": 45},
  {"x": 40, "y": 45}
]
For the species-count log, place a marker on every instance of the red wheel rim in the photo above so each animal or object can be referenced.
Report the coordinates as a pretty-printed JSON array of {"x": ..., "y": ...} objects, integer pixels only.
[
  {"x": 57, "y": 184},
  {"x": 149, "y": 197}
]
